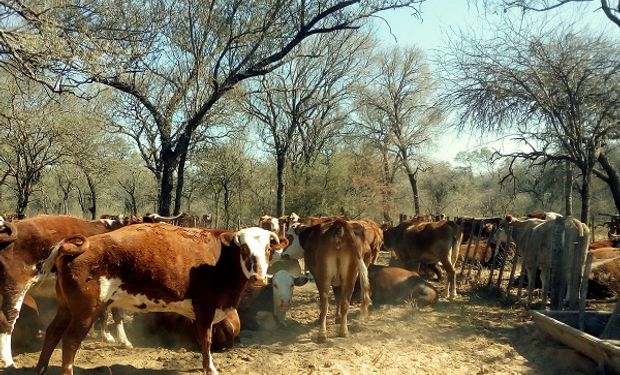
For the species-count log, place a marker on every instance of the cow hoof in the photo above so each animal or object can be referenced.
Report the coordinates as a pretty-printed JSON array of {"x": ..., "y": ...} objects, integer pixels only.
[{"x": 127, "y": 345}]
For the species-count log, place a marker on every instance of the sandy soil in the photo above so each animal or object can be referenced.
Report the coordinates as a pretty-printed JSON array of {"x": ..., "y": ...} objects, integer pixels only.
[{"x": 471, "y": 335}]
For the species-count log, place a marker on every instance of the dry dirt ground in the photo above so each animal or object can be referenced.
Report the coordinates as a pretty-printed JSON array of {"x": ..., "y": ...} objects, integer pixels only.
[{"x": 472, "y": 335}]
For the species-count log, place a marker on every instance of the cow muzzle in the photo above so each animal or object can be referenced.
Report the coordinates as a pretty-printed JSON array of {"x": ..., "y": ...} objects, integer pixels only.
[{"x": 257, "y": 280}]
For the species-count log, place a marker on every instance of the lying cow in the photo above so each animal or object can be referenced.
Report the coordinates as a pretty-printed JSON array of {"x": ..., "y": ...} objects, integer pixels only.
[
  {"x": 24, "y": 246},
  {"x": 335, "y": 255},
  {"x": 265, "y": 307},
  {"x": 428, "y": 243},
  {"x": 194, "y": 272},
  {"x": 394, "y": 285},
  {"x": 173, "y": 330}
]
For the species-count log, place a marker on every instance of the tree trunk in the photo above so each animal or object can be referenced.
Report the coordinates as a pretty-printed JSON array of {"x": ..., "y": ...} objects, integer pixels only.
[
  {"x": 93, "y": 197},
  {"x": 166, "y": 184},
  {"x": 613, "y": 179},
  {"x": 414, "y": 186},
  {"x": 227, "y": 206},
  {"x": 281, "y": 189},
  {"x": 23, "y": 197},
  {"x": 586, "y": 195},
  {"x": 386, "y": 190},
  {"x": 568, "y": 189},
  {"x": 180, "y": 180}
]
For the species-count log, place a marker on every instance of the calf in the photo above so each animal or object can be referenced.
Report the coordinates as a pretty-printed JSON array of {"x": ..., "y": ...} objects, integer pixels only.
[
  {"x": 24, "y": 246},
  {"x": 269, "y": 223},
  {"x": 427, "y": 243},
  {"x": 194, "y": 272},
  {"x": 335, "y": 255},
  {"x": 394, "y": 285},
  {"x": 261, "y": 306}
]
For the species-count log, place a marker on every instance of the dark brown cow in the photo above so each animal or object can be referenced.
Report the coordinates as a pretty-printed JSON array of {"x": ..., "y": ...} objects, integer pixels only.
[
  {"x": 604, "y": 279},
  {"x": 427, "y": 243},
  {"x": 335, "y": 255},
  {"x": 24, "y": 246},
  {"x": 394, "y": 285},
  {"x": 174, "y": 330},
  {"x": 194, "y": 272}
]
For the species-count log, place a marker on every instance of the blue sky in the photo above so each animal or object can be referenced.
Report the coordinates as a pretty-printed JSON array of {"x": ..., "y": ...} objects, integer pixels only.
[{"x": 441, "y": 17}]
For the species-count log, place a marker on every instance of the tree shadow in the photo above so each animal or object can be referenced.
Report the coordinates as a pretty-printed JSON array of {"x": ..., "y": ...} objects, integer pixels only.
[{"x": 102, "y": 370}]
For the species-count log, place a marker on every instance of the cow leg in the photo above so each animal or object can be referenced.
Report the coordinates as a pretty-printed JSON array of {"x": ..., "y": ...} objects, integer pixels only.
[
  {"x": 104, "y": 330},
  {"x": 338, "y": 296},
  {"x": 73, "y": 336},
  {"x": 451, "y": 284},
  {"x": 323, "y": 288},
  {"x": 204, "y": 323},
  {"x": 345, "y": 300},
  {"x": 52, "y": 336},
  {"x": 11, "y": 304},
  {"x": 119, "y": 319}
]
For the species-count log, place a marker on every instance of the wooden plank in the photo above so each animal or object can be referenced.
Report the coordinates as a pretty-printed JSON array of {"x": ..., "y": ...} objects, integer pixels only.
[
  {"x": 466, "y": 258},
  {"x": 598, "y": 350},
  {"x": 515, "y": 260},
  {"x": 473, "y": 258}
]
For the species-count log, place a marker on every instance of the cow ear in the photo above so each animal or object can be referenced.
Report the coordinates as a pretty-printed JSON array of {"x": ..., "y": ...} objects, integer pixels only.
[
  {"x": 227, "y": 238},
  {"x": 301, "y": 280},
  {"x": 509, "y": 218},
  {"x": 278, "y": 246}
]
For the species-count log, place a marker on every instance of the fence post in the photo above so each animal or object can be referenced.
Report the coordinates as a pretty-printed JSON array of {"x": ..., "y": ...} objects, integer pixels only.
[
  {"x": 584, "y": 290},
  {"x": 557, "y": 259},
  {"x": 515, "y": 260},
  {"x": 466, "y": 257},
  {"x": 473, "y": 258},
  {"x": 501, "y": 269}
]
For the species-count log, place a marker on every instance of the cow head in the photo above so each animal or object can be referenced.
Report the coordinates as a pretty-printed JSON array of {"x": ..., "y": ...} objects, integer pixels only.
[
  {"x": 8, "y": 232},
  {"x": 255, "y": 245},
  {"x": 269, "y": 223},
  {"x": 294, "y": 249},
  {"x": 424, "y": 293},
  {"x": 283, "y": 283}
]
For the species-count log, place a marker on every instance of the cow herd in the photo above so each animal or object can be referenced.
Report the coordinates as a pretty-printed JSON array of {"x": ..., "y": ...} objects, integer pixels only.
[{"x": 216, "y": 282}]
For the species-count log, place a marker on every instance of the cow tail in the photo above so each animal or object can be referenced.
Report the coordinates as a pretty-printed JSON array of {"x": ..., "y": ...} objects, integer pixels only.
[{"x": 364, "y": 282}]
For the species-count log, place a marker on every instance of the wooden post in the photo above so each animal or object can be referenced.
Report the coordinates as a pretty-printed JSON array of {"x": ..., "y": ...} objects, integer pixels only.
[
  {"x": 466, "y": 258},
  {"x": 557, "y": 259},
  {"x": 473, "y": 258},
  {"x": 501, "y": 268},
  {"x": 493, "y": 263},
  {"x": 584, "y": 290}
]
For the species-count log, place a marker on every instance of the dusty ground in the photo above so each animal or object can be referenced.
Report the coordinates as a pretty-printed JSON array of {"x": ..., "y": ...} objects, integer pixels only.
[{"x": 472, "y": 335}]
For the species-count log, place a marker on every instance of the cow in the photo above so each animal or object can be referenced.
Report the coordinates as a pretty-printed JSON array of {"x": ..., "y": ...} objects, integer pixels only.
[
  {"x": 373, "y": 235},
  {"x": 394, "y": 285},
  {"x": 265, "y": 307},
  {"x": 156, "y": 218},
  {"x": 24, "y": 246},
  {"x": 289, "y": 265},
  {"x": 334, "y": 254},
  {"x": 429, "y": 243},
  {"x": 600, "y": 244},
  {"x": 544, "y": 215},
  {"x": 174, "y": 330},
  {"x": 194, "y": 272},
  {"x": 537, "y": 245},
  {"x": 269, "y": 223},
  {"x": 604, "y": 279}
]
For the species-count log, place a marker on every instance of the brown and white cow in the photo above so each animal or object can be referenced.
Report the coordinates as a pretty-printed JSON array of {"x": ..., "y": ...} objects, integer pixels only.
[
  {"x": 265, "y": 307},
  {"x": 269, "y": 223},
  {"x": 394, "y": 285},
  {"x": 194, "y": 272},
  {"x": 334, "y": 254},
  {"x": 24, "y": 246},
  {"x": 428, "y": 243}
]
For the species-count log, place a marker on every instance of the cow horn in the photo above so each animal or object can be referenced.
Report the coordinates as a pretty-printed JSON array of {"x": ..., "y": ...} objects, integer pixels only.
[
  {"x": 274, "y": 236},
  {"x": 8, "y": 233},
  {"x": 164, "y": 218}
]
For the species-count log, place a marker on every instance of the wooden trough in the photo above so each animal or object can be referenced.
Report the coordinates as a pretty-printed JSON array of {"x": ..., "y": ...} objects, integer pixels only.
[{"x": 561, "y": 326}]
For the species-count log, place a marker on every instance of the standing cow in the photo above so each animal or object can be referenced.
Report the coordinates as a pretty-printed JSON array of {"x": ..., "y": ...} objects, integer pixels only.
[
  {"x": 427, "y": 243},
  {"x": 194, "y": 272}
]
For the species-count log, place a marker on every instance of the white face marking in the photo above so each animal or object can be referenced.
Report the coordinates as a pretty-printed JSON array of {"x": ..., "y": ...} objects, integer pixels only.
[
  {"x": 107, "y": 222},
  {"x": 257, "y": 240},
  {"x": 110, "y": 290},
  {"x": 275, "y": 224},
  {"x": 5, "y": 350},
  {"x": 294, "y": 249},
  {"x": 282, "y": 293}
]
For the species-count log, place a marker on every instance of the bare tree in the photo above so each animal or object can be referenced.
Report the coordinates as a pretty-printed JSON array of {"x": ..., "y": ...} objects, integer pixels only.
[
  {"x": 399, "y": 91},
  {"x": 31, "y": 137},
  {"x": 558, "y": 92},
  {"x": 611, "y": 12},
  {"x": 301, "y": 106},
  {"x": 175, "y": 59}
]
